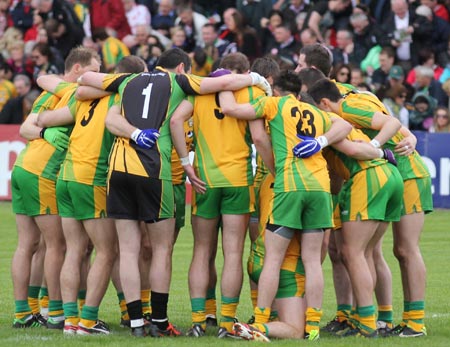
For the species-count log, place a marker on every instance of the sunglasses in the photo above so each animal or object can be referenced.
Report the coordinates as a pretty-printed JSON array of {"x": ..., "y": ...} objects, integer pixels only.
[{"x": 442, "y": 115}]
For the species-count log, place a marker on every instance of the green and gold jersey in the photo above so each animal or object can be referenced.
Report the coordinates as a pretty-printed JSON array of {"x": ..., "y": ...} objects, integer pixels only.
[
  {"x": 7, "y": 91},
  {"x": 292, "y": 259},
  {"x": 39, "y": 157},
  {"x": 346, "y": 166},
  {"x": 358, "y": 109},
  {"x": 288, "y": 117},
  {"x": 90, "y": 142},
  {"x": 113, "y": 51},
  {"x": 148, "y": 100},
  {"x": 178, "y": 175},
  {"x": 223, "y": 152}
]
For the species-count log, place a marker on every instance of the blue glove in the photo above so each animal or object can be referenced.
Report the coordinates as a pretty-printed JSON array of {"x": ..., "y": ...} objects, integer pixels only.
[
  {"x": 389, "y": 156},
  {"x": 145, "y": 138},
  {"x": 307, "y": 147}
]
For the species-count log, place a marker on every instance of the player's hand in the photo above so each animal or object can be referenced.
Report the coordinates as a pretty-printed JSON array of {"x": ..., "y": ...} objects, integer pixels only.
[
  {"x": 406, "y": 146},
  {"x": 261, "y": 82},
  {"x": 389, "y": 156},
  {"x": 198, "y": 185},
  {"x": 56, "y": 136},
  {"x": 145, "y": 138},
  {"x": 307, "y": 147}
]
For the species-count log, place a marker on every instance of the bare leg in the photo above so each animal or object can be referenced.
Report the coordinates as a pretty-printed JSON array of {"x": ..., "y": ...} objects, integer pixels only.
[{"x": 291, "y": 312}]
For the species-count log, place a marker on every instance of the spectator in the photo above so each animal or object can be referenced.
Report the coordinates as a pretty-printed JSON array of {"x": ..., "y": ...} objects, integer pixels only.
[
  {"x": 395, "y": 103},
  {"x": 60, "y": 36},
  {"x": 215, "y": 47},
  {"x": 16, "y": 109},
  {"x": 32, "y": 33},
  {"x": 136, "y": 14},
  {"x": 192, "y": 23},
  {"x": 4, "y": 16},
  {"x": 343, "y": 53},
  {"x": 10, "y": 36},
  {"x": 426, "y": 58},
  {"x": 18, "y": 61},
  {"x": 357, "y": 76},
  {"x": 380, "y": 75},
  {"x": 7, "y": 89},
  {"x": 293, "y": 8},
  {"x": 81, "y": 9},
  {"x": 365, "y": 36},
  {"x": 110, "y": 15},
  {"x": 421, "y": 117},
  {"x": 22, "y": 15},
  {"x": 425, "y": 82},
  {"x": 268, "y": 25},
  {"x": 179, "y": 40},
  {"x": 253, "y": 11},
  {"x": 396, "y": 77},
  {"x": 285, "y": 46},
  {"x": 164, "y": 19},
  {"x": 150, "y": 54},
  {"x": 441, "y": 121},
  {"x": 342, "y": 73},
  {"x": 113, "y": 50},
  {"x": 244, "y": 37},
  {"x": 43, "y": 61},
  {"x": 439, "y": 9},
  {"x": 308, "y": 37}
]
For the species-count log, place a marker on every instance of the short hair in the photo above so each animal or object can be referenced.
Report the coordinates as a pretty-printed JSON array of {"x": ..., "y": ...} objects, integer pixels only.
[
  {"x": 173, "y": 57},
  {"x": 359, "y": 17},
  {"x": 309, "y": 76},
  {"x": 131, "y": 64},
  {"x": 319, "y": 56},
  {"x": 324, "y": 88},
  {"x": 211, "y": 25},
  {"x": 22, "y": 77},
  {"x": 288, "y": 81},
  {"x": 389, "y": 51},
  {"x": 235, "y": 62},
  {"x": 44, "y": 49},
  {"x": 99, "y": 34},
  {"x": 80, "y": 55},
  {"x": 424, "y": 71},
  {"x": 266, "y": 67}
]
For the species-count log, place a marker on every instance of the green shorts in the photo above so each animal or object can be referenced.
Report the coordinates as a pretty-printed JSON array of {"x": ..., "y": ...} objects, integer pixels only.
[
  {"x": 379, "y": 200},
  {"x": 32, "y": 195},
  {"x": 179, "y": 194},
  {"x": 80, "y": 201},
  {"x": 417, "y": 196},
  {"x": 292, "y": 284},
  {"x": 227, "y": 200},
  {"x": 302, "y": 210}
]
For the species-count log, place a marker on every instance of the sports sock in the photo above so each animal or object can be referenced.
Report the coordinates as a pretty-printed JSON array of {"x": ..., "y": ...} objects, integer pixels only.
[
  {"x": 228, "y": 312},
  {"x": 159, "y": 309},
  {"x": 385, "y": 314},
  {"x": 71, "y": 313},
  {"x": 134, "y": 309},
  {"x": 89, "y": 316},
  {"x": 416, "y": 315},
  {"x": 343, "y": 312},
  {"x": 211, "y": 302},
  {"x": 198, "y": 311},
  {"x": 367, "y": 319},
  {"x": 23, "y": 309},
  {"x": 33, "y": 298},
  {"x": 405, "y": 315},
  {"x": 262, "y": 315},
  {"x": 145, "y": 298},
  {"x": 254, "y": 297},
  {"x": 123, "y": 306},
  {"x": 313, "y": 316},
  {"x": 273, "y": 316},
  {"x": 43, "y": 301},
  {"x": 55, "y": 310},
  {"x": 261, "y": 327},
  {"x": 81, "y": 299}
]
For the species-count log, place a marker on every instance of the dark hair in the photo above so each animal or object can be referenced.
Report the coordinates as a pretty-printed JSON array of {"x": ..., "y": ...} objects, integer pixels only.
[
  {"x": 396, "y": 91},
  {"x": 44, "y": 49},
  {"x": 424, "y": 55},
  {"x": 309, "y": 76},
  {"x": 130, "y": 64},
  {"x": 389, "y": 51},
  {"x": 235, "y": 61},
  {"x": 80, "y": 55},
  {"x": 288, "y": 81},
  {"x": 99, "y": 34},
  {"x": 324, "y": 88},
  {"x": 318, "y": 56},
  {"x": 266, "y": 67},
  {"x": 336, "y": 69},
  {"x": 173, "y": 57}
]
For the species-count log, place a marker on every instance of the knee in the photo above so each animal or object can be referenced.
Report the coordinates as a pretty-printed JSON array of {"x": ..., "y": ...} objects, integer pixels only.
[{"x": 401, "y": 253}]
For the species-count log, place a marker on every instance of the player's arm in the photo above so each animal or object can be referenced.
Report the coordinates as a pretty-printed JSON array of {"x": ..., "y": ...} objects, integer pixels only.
[
  {"x": 262, "y": 143},
  {"x": 182, "y": 114},
  {"x": 210, "y": 85},
  {"x": 29, "y": 129},
  {"x": 339, "y": 129},
  {"x": 60, "y": 116},
  {"x": 93, "y": 79},
  {"x": 408, "y": 144},
  {"x": 362, "y": 150},
  {"x": 90, "y": 93},
  {"x": 231, "y": 108},
  {"x": 387, "y": 127},
  {"x": 49, "y": 82}
]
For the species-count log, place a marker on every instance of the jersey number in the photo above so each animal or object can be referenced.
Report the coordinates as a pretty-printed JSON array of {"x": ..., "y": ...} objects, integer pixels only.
[
  {"x": 147, "y": 91},
  {"x": 305, "y": 125},
  {"x": 85, "y": 121}
]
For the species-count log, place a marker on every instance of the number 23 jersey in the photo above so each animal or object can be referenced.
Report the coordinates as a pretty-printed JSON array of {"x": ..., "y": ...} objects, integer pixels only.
[{"x": 288, "y": 117}]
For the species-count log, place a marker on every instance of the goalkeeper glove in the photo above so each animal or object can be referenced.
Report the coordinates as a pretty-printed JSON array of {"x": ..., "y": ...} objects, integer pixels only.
[
  {"x": 309, "y": 146},
  {"x": 145, "y": 138},
  {"x": 389, "y": 156},
  {"x": 56, "y": 136}
]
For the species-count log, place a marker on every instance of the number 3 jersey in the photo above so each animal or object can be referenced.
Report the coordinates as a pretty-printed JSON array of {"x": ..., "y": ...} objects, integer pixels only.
[
  {"x": 148, "y": 100},
  {"x": 288, "y": 117}
]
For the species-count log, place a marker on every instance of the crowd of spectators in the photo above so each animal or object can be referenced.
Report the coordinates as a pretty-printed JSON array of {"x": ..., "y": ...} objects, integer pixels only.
[{"x": 397, "y": 49}]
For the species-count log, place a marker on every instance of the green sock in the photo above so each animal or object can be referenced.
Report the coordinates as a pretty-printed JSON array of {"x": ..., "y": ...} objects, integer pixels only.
[
  {"x": 22, "y": 309},
  {"x": 89, "y": 313}
]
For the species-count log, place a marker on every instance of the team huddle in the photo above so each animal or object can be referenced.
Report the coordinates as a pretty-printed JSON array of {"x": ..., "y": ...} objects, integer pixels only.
[{"x": 105, "y": 168}]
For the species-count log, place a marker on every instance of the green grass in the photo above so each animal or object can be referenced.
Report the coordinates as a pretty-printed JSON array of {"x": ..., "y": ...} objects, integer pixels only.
[{"x": 435, "y": 247}]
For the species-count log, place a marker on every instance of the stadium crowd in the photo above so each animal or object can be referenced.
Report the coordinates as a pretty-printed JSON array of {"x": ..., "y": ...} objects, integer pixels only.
[{"x": 113, "y": 95}]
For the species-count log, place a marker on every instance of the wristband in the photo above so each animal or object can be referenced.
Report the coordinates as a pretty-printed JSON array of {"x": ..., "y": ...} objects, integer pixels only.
[
  {"x": 322, "y": 140},
  {"x": 375, "y": 143},
  {"x": 42, "y": 132},
  {"x": 135, "y": 134},
  {"x": 380, "y": 153},
  {"x": 185, "y": 161}
]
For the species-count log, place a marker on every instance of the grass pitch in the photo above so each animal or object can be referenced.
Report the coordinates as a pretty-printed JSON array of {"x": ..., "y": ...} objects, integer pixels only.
[{"x": 435, "y": 246}]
